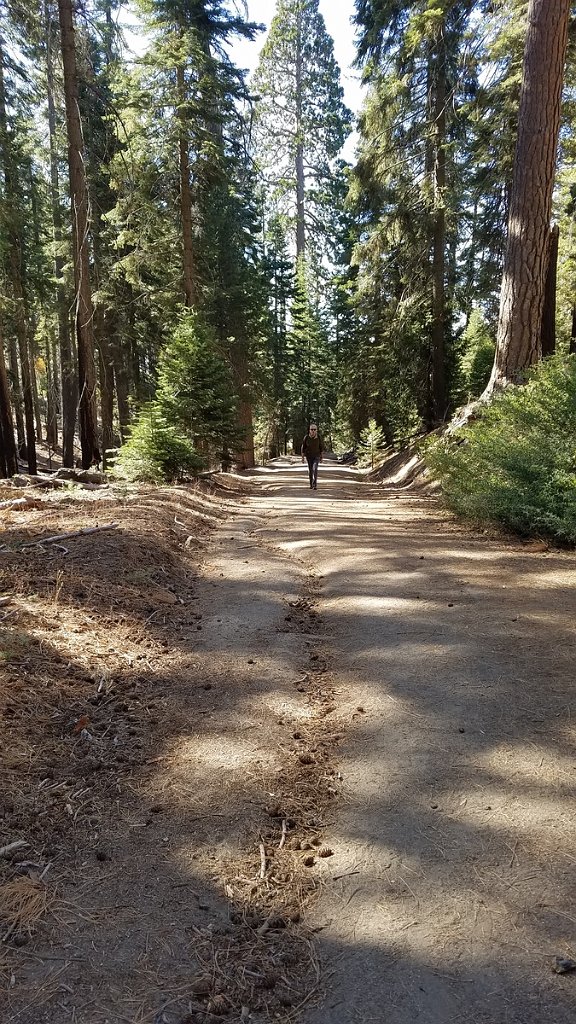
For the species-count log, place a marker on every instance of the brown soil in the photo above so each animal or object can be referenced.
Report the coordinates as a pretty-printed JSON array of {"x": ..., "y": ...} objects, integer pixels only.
[{"x": 283, "y": 755}]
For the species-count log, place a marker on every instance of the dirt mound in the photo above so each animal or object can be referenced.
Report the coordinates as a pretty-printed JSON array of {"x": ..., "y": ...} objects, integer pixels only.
[{"x": 404, "y": 469}]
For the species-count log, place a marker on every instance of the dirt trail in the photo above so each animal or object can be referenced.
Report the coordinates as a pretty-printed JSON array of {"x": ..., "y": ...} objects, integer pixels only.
[
  {"x": 453, "y": 661},
  {"x": 351, "y": 673}
]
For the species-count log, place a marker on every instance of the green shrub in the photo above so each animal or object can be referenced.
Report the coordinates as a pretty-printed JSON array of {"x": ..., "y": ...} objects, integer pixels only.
[
  {"x": 372, "y": 443},
  {"x": 155, "y": 450},
  {"x": 516, "y": 464},
  {"x": 478, "y": 355},
  {"x": 196, "y": 388}
]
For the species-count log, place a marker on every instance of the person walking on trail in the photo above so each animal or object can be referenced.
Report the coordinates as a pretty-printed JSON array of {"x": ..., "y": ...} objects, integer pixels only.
[{"x": 312, "y": 451}]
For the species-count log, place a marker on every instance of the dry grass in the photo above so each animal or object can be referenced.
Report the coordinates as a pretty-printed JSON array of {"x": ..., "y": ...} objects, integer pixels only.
[
  {"x": 88, "y": 640},
  {"x": 24, "y": 901}
]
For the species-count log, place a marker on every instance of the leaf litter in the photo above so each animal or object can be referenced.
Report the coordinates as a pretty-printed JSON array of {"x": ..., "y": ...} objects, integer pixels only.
[{"x": 86, "y": 670}]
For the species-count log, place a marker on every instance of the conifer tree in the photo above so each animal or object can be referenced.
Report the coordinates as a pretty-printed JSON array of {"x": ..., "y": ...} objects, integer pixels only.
[
  {"x": 13, "y": 118},
  {"x": 80, "y": 212},
  {"x": 311, "y": 366},
  {"x": 519, "y": 340},
  {"x": 301, "y": 123},
  {"x": 407, "y": 189}
]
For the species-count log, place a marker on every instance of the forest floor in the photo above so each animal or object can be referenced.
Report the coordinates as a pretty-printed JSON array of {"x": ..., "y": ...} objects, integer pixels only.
[{"x": 275, "y": 754}]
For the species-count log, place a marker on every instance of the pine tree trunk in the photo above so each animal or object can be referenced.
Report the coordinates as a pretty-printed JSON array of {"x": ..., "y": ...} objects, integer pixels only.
[
  {"x": 51, "y": 393},
  {"x": 522, "y": 294},
  {"x": 33, "y": 350},
  {"x": 300, "y": 180},
  {"x": 80, "y": 219},
  {"x": 35, "y": 395},
  {"x": 549, "y": 310},
  {"x": 106, "y": 389},
  {"x": 24, "y": 356},
  {"x": 190, "y": 291},
  {"x": 572, "y": 348},
  {"x": 122, "y": 388},
  {"x": 17, "y": 395},
  {"x": 9, "y": 453},
  {"x": 245, "y": 451},
  {"x": 438, "y": 330},
  {"x": 12, "y": 229},
  {"x": 65, "y": 344}
]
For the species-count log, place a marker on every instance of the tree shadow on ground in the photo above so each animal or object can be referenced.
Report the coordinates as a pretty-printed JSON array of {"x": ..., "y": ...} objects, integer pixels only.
[{"x": 193, "y": 739}]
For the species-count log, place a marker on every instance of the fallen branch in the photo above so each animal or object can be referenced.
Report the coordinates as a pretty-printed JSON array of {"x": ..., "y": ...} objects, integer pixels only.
[
  {"x": 67, "y": 536},
  {"x": 7, "y": 851},
  {"x": 21, "y": 503},
  {"x": 262, "y": 861},
  {"x": 283, "y": 836}
]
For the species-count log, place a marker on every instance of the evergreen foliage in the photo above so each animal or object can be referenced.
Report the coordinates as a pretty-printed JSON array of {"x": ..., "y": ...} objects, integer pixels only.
[
  {"x": 301, "y": 124},
  {"x": 191, "y": 423},
  {"x": 516, "y": 464},
  {"x": 372, "y": 443},
  {"x": 313, "y": 289},
  {"x": 195, "y": 390},
  {"x": 478, "y": 358},
  {"x": 155, "y": 450},
  {"x": 311, "y": 370}
]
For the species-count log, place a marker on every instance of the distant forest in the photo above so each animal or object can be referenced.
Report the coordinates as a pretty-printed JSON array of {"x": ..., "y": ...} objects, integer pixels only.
[{"x": 190, "y": 271}]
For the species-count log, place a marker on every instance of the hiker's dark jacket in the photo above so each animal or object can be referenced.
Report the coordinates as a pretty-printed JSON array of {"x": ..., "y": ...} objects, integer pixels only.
[{"x": 312, "y": 447}]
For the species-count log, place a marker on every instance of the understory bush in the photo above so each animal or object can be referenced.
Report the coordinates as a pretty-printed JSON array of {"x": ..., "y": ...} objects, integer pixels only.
[
  {"x": 191, "y": 423},
  {"x": 516, "y": 464},
  {"x": 478, "y": 355},
  {"x": 372, "y": 444},
  {"x": 155, "y": 450}
]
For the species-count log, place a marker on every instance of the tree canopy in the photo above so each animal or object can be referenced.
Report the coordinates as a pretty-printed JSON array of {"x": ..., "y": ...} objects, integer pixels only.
[{"x": 166, "y": 215}]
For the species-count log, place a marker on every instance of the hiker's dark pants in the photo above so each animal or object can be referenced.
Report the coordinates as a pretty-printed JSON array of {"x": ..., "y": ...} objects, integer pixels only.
[{"x": 312, "y": 461}]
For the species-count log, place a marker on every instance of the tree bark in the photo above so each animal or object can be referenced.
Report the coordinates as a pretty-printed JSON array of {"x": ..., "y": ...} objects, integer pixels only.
[
  {"x": 122, "y": 387},
  {"x": 51, "y": 395},
  {"x": 15, "y": 273},
  {"x": 84, "y": 319},
  {"x": 35, "y": 395},
  {"x": 300, "y": 180},
  {"x": 572, "y": 349},
  {"x": 16, "y": 395},
  {"x": 190, "y": 289},
  {"x": 438, "y": 330},
  {"x": 65, "y": 344},
  {"x": 106, "y": 367},
  {"x": 549, "y": 310},
  {"x": 9, "y": 458},
  {"x": 245, "y": 451},
  {"x": 522, "y": 294}
]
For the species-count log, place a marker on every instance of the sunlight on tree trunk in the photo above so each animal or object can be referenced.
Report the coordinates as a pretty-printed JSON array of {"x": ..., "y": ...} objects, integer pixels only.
[
  {"x": 522, "y": 295},
  {"x": 84, "y": 316}
]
